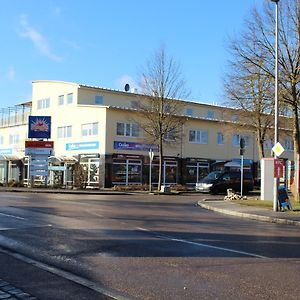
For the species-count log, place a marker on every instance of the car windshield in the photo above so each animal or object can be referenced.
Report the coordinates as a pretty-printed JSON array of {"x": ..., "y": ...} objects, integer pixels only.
[{"x": 211, "y": 176}]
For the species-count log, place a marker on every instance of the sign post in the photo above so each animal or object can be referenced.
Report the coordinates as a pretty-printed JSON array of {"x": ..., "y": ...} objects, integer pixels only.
[
  {"x": 278, "y": 150},
  {"x": 242, "y": 150},
  {"x": 151, "y": 156}
]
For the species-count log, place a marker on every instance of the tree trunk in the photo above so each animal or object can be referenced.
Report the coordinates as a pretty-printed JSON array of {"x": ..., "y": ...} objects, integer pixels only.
[
  {"x": 160, "y": 167},
  {"x": 260, "y": 144}
]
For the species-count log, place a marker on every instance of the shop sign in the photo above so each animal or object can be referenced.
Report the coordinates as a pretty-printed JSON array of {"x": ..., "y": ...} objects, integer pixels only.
[
  {"x": 82, "y": 146},
  {"x": 134, "y": 146},
  {"x": 278, "y": 168},
  {"x": 57, "y": 168},
  {"x": 39, "y": 144},
  {"x": 39, "y": 127},
  {"x": 38, "y": 151}
]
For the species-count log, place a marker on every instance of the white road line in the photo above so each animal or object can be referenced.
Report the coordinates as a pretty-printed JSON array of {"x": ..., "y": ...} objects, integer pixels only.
[
  {"x": 67, "y": 275},
  {"x": 165, "y": 237},
  {"x": 12, "y": 216}
]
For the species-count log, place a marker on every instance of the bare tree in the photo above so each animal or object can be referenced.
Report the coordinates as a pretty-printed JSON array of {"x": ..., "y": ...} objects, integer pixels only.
[
  {"x": 260, "y": 30},
  {"x": 160, "y": 112},
  {"x": 249, "y": 91}
]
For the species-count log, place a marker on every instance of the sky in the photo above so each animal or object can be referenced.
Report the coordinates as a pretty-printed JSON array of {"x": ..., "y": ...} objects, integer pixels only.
[{"x": 105, "y": 43}]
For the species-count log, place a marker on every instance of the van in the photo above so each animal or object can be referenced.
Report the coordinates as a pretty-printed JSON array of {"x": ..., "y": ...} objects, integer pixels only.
[{"x": 219, "y": 181}]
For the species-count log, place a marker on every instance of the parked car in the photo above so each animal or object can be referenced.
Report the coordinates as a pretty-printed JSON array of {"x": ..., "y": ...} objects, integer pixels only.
[{"x": 219, "y": 181}]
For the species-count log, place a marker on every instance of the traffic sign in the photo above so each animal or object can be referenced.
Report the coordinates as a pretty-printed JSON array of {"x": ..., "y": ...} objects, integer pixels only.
[{"x": 278, "y": 149}]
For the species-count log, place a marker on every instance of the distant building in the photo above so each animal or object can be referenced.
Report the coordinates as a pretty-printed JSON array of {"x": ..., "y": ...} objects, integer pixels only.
[{"x": 93, "y": 126}]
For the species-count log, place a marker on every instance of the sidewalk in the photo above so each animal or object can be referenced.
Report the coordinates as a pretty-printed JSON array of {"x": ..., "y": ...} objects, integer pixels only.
[
  {"x": 251, "y": 212},
  {"x": 25, "y": 279}
]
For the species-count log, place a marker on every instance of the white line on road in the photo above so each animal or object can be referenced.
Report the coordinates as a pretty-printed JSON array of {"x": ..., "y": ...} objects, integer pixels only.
[
  {"x": 165, "y": 237},
  {"x": 67, "y": 275},
  {"x": 12, "y": 216}
]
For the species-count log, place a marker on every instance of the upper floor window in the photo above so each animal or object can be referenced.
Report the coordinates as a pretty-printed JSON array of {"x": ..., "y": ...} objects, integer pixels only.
[
  {"x": 236, "y": 140},
  {"x": 64, "y": 132},
  {"x": 288, "y": 144},
  {"x": 128, "y": 129},
  {"x": 14, "y": 138},
  {"x": 198, "y": 136},
  {"x": 210, "y": 114},
  {"x": 98, "y": 99},
  {"x": 234, "y": 118},
  {"x": 268, "y": 144},
  {"x": 189, "y": 111},
  {"x": 220, "y": 138},
  {"x": 70, "y": 98},
  {"x": 134, "y": 104},
  {"x": 89, "y": 129},
  {"x": 43, "y": 103},
  {"x": 61, "y": 99},
  {"x": 170, "y": 135}
]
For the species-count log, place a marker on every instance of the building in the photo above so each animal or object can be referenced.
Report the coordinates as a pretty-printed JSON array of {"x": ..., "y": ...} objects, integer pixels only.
[{"x": 94, "y": 127}]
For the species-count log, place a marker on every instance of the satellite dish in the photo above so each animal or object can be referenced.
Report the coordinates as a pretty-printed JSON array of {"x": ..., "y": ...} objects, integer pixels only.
[{"x": 127, "y": 87}]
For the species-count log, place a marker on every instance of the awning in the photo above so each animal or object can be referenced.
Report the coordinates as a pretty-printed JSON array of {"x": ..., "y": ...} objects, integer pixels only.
[
  {"x": 10, "y": 157},
  {"x": 62, "y": 159}
]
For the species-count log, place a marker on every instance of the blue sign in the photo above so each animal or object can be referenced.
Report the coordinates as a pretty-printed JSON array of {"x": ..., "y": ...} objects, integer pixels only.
[
  {"x": 39, "y": 127},
  {"x": 6, "y": 151},
  {"x": 134, "y": 146},
  {"x": 82, "y": 146}
]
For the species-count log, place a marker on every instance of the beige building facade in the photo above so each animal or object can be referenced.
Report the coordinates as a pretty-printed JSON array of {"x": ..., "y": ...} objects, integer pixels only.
[{"x": 95, "y": 127}]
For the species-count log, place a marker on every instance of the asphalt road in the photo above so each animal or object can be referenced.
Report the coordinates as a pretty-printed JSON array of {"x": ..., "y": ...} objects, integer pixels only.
[{"x": 153, "y": 247}]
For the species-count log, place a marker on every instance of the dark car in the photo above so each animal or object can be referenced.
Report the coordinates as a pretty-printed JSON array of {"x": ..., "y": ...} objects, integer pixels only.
[{"x": 219, "y": 181}]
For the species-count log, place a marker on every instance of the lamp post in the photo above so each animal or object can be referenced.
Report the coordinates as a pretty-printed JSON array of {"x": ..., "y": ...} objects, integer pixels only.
[
  {"x": 151, "y": 156},
  {"x": 275, "y": 199}
]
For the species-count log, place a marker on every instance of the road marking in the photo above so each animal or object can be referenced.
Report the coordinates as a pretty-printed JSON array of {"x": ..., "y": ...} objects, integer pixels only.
[
  {"x": 12, "y": 216},
  {"x": 165, "y": 237}
]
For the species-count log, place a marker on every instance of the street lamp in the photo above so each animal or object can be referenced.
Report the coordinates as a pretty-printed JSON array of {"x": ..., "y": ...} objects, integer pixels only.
[{"x": 276, "y": 180}]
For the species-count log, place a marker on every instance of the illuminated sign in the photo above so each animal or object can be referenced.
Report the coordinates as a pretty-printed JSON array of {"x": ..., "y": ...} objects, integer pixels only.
[{"x": 39, "y": 127}]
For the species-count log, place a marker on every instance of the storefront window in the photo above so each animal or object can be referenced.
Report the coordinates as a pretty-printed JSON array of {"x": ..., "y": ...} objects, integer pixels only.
[
  {"x": 127, "y": 172},
  {"x": 195, "y": 171}
]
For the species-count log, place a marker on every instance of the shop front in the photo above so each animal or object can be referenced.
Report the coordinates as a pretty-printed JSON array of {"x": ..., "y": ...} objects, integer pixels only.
[
  {"x": 11, "y": 168},
  {"x": 194, "y": 169},
  {"x": 126, "y": 169}
]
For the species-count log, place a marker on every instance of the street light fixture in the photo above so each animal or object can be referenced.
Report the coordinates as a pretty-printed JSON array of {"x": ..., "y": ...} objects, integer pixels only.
[{"x": 276, "y": 180}]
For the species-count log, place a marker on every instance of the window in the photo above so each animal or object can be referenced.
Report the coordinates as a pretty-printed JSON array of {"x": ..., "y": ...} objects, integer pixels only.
[
  {"x": 198, "y": 136},
  {"x": 171, "y": 135},
  {"x": 43, "y": 103},
  {"x": 64, "y": 132},
  {"x": 288, "y": 144},
  {"x": 234, "y": 118},
  {"x": 189, "y": 112},
  {"x": 70, "y": 98},
  {"x": 1, "y": 139},
  {"x": 236, "y": 140},
  {"x": 268, "y": 144},
  {"x": 14, "y": 138},
  {"x": 61, "y": 100},
  {"x": 128, "y": 129},
  {"x": 89, "y": 129},
  {"x": 220, "y": 138},
  {"x": 210, "y": 114},
  {"x": 134, "y": 104},
  {"x": 98, "y": 99}
]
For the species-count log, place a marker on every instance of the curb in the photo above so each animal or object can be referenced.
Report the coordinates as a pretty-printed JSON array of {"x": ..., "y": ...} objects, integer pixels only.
[{"x": 248, "y": 215}]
